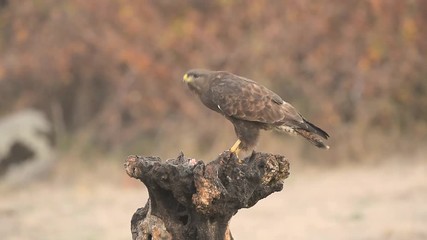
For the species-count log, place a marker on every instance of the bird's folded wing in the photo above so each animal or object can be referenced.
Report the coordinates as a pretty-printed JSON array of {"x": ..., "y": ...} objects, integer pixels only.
[{"x": 246, "y": 100}]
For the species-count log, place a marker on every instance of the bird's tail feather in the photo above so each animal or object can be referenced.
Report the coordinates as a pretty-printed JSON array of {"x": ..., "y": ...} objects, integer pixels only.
[
  {"x": 313, "y": 128},
  {"x": 309, "y": 131},
  {"x": 314, "y": 138}
]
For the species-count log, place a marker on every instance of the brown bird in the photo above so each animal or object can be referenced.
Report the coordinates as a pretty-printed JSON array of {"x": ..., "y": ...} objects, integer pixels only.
[{"x": 250, "y": 107}]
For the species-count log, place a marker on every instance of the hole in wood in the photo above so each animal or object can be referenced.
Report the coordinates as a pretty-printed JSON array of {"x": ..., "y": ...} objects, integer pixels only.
[{"x": 183, "y": 219}]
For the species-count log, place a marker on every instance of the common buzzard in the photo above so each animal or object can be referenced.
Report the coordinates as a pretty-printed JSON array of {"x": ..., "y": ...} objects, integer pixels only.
[{"x": 250, "y": 107}]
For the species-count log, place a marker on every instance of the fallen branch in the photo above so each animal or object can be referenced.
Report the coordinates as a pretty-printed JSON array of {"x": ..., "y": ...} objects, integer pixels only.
[{"x": 191, "y": 200}]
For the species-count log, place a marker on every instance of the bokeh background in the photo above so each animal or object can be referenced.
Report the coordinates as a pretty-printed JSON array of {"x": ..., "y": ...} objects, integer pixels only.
[{"x": 108, "y": 77}]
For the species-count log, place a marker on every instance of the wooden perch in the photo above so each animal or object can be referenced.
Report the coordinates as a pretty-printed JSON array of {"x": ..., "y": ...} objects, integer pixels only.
[{"x": 191, "y": 200}]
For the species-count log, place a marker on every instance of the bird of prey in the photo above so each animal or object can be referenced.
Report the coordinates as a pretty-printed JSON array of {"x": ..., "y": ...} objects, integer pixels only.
[{"x": 250, "y": 107}]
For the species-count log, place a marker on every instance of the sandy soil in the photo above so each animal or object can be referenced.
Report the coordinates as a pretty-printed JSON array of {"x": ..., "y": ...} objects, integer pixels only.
[{"x": 388, "y": 201}]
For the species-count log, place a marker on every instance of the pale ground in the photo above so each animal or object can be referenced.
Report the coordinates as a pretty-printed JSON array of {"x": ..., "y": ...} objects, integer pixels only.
[{"x": 386, "y": 201}]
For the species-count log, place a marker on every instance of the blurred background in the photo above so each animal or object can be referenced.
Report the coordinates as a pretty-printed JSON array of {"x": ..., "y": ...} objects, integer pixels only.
[{"x": 83, "y": 84}]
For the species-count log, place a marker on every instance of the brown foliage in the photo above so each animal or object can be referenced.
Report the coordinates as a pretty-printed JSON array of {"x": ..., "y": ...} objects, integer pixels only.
[{"x": 112, "y": 69}]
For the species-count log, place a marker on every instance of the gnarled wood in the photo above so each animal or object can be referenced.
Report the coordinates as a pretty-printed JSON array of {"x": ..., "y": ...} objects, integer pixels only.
[{"x": 192, "y": 200}]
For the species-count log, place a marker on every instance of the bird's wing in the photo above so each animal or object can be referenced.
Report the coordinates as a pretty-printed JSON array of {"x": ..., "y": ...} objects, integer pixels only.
[{"x": 245, "y": 99}]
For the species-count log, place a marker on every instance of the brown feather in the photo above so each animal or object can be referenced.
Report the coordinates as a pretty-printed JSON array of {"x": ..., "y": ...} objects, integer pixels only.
[{"x": 312, "y": 137}]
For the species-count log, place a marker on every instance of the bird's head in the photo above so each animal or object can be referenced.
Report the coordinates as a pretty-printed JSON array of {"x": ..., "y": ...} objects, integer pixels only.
[{"x": 198, "y": 80}]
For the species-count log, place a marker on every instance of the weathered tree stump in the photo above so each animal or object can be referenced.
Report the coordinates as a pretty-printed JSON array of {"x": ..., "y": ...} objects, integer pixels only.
[{"x": 191, "y": 200}]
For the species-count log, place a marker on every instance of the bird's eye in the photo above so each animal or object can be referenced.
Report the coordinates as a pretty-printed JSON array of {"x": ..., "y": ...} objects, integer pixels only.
[{"x": 195, "y": 76}]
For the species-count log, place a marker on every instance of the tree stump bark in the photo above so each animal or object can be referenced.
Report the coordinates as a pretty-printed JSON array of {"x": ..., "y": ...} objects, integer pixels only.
[{"x": 191, "y": 200}]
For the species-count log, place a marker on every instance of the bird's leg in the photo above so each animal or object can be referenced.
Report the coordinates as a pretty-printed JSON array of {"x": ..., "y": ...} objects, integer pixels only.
[{"x": 235, "y": 148}]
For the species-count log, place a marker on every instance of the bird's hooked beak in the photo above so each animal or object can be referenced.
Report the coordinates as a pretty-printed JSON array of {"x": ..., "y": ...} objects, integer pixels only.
[{"x": 187, "y": 78}]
